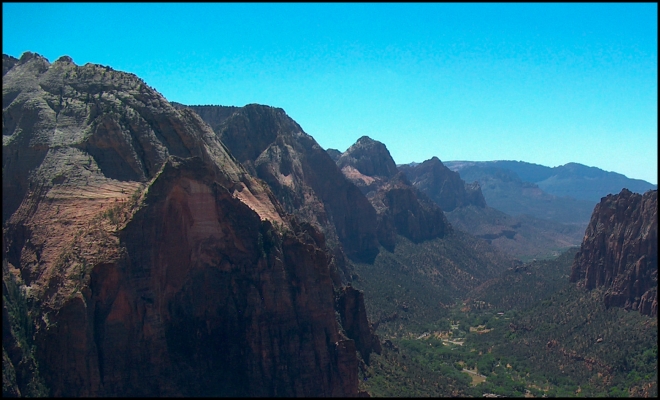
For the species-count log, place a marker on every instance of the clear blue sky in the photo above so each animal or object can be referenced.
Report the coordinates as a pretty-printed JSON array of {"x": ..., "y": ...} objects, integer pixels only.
[{"x": 542, "y": 83}]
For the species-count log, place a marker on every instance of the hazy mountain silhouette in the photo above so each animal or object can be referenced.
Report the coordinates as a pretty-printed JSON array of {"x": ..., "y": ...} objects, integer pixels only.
[{"x": 570, "y": 180}]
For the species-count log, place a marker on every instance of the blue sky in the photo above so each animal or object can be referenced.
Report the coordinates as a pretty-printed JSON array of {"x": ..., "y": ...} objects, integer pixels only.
[{"x": 542, "y": 83}]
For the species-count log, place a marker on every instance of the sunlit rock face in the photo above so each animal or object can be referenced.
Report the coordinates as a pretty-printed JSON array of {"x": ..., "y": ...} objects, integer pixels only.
[
  {"x": 367, "y": 158},
  {"x": 401, "y": 208},
  {"x": 303, "y": 177},
  {"x": 152, "y": 262},
  {"x": 620, "y": 251}
]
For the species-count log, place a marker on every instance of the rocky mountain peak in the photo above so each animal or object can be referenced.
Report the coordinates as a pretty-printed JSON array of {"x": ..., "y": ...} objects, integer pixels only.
[
  {"x": 157, "y": 265},
  {"x": 620, "y": 251},
  {"x": 93, "y": 120},
  {"x": 35, "y": 62},
  {"x": 334, "y": 154},
  {"x": 249, "y": 130},
  {"x": 306, "y": 181},
  {"x": 65, "y": 59},
  {"x": 28, "y": 56},
  {"x": 402, "y": 209},
  {"x": 8, "y": 63},
  {"x": 443, "y": 185},
  {"x": 369, "y": 157}
]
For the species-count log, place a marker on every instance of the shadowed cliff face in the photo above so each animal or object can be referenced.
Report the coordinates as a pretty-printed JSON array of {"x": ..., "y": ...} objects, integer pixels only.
[
  {"x": 443, "y": 185},
  {"x": 207, "y": 300},
  {"x": 153, "y": 263},
  {"x": 302, "y": 176},
  {"x": 620, "y": 251},
  {"x": 401, "y": 208},
  {"x": 350, "y": 303}
]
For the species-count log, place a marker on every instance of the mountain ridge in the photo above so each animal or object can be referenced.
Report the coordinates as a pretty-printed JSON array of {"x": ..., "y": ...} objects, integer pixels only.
[
  {"x": 620, "y": 251},
  {"x": 572, "y": 179},
  {"x": 151, "y": 261},
  {"x": 156, "y": 249}
]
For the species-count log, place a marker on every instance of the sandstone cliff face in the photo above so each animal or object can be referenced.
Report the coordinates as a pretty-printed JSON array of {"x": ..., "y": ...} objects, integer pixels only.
[
  {"x": 405, "y": 211},
  {"x": 620, "y": 251},
  {"x": 203, "y": 298},
  {"x": 153, "y": 263},
  {"x": 443, "y": 185},
  {"x": 350, "y": 303},
  {"x": 90, "y": 125},
  {"x": 302, "y": 176},
  {"x": 372, "y": 161},
  {"x": 402, "y": 209}
]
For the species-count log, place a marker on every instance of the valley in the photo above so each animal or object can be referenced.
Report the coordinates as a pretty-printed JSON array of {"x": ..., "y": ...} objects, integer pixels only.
[
  {"x": 152, "y": 248},
  {"x": 519, "y": 348}
]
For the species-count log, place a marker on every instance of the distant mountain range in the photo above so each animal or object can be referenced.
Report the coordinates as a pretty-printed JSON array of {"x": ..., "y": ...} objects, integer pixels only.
[
  {"x": 570, "y": 180},
  {"x": 368, "y": 165},
  {"x": 156, "y": 249}
]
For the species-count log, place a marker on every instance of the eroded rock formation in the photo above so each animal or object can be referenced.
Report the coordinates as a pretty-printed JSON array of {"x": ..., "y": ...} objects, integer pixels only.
[
  {"x": 402, "y": 209},
  {"x": 350, "y": 303},
  {"x": 443, "y": 185},
  {"x": 406, "y": 211},
  {"x": 302, "y": 176},
  {"x": 620, "y": 251},
  {"x": 152, "y": 262},
  {"x": 367, "y": 163}
]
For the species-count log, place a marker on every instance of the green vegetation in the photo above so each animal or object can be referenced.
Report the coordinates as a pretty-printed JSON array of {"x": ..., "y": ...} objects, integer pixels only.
[
  {"x": 411, "y": 290},
  {"x": 523, "y": 236},
  {"x": 522, "y": 286},
  {"x": 528, "y": 332},
  {"x": 401, "y": 372},
  {"x": 122, "y": 211},
  {"x": 20, "y": 370}
]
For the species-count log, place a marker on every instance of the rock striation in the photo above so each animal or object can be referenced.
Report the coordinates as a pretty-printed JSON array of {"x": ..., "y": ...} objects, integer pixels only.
[
  {"x": 443, "y": 185},
  {"x": 619, "y": 252},
  {"x": 152, "y": 262},
  {"x": 303, "y": 177}
]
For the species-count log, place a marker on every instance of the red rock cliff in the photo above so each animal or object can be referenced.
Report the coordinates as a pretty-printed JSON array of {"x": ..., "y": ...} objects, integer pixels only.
[
  {"x": 401, "y": 208},
  {"x": 301, "y": 174},
  {"x": 443, "y": 185},
  {"x": 152, "y": 262},
  {"x": 620, "y": 251}
]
